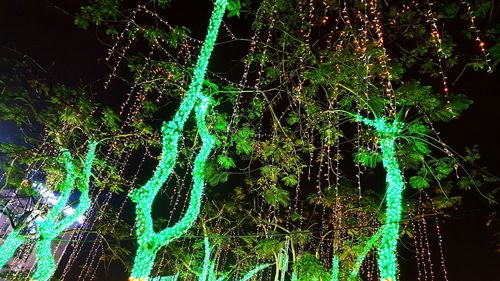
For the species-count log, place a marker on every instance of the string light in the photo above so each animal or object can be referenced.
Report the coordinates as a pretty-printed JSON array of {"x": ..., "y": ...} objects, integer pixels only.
[
  {"x": 361, "y": 257},
  {"x": 150, "y": 241},
  {"x": 438, "y": 43},
  {"x": 335, "y": 269},
  {"x": 481, "y": 44},
  {"x": 387, "y": 252},
  {"x": 10, "y": 245},
  {"x": 51, "y": 227}
]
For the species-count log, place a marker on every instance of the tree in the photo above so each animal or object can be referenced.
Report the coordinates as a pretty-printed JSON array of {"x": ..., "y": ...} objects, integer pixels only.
[{"x": 297, "y": 133}]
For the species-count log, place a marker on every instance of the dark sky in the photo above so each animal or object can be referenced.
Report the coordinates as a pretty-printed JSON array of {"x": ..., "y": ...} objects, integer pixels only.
[{"x": 72, "y": 56}]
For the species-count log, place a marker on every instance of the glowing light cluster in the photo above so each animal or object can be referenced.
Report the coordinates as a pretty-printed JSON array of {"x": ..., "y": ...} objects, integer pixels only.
[
  {"x": 150, "y": 241},
  {"x": 387, "y": 252},
  {"x": 254, "y": 271},
  {"x": 335, "y": 268},
  {"x": 52, "y": 226},
  {"x": 52, "y": 198},
  {"x": 13, "y": 241},
  {"x": 372, "y": 242}
]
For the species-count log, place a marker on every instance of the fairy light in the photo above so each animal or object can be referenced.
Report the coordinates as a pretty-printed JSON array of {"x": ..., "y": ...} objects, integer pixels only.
[
  {"x": 14, "y": 240},
  {"x": 10, "y": 245},
  {"x": 254, "y": 271},
  {"x": 438, "y": 43},
  {"x": 335, "y": 269},
  {"x": 426, "y": 250},
  {"x": 134, "y": 109},
  {"x": 150, "y": 241},
  {"x": 418, "y": 258},
  {"x": 383, "y": 58},
  {"x": 480, "y": 43},
  {"x": 120, "y": 163},
  {"x": 51, "y": 227},
  {"x": 387, "y": 252},
  {"x": 370, "y": 244}
]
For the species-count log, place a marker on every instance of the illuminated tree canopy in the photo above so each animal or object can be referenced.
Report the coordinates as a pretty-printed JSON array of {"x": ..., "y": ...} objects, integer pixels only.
[{"x": 304, "y": 140}]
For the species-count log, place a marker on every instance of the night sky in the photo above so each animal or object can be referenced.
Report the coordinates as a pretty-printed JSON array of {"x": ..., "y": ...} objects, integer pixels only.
[{"x": 44, "y": 32}]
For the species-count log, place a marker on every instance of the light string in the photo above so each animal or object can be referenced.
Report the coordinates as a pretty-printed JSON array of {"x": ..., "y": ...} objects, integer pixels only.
[
  {"x": 481, "y": 44},
  {"x": 51, "y": 227},
  {"x": 14, "y": 239},
  {"x": 387, "y": 252},
  {"x": 150, "y": 241},
  {"x": 370, "y": 244},
  {"x": 134, "y": 109}
]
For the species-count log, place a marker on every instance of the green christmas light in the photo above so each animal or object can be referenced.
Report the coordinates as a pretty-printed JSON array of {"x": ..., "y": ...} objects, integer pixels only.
[
  {"x": 387, "y": 252},
  {"x": 335, "y": 269},
  {"x": 254, "y": 271},
  {"x": 13, "y": 241},
  {"x": 150, "y": 241},
  {"x": 361, "y": 257},
  {"x": 206, "y": 261},
  {"x": 52, "y": 226}
]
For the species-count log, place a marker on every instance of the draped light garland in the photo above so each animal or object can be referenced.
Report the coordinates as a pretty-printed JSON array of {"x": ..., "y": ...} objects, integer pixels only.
[
  {"x": 150, "y": 241},
  {"x": 52, "y": 226},
  {"x": 370, "y": 244},
  {"x": 387, "y": 251},
  {"x": 335, "y": 269},
  {"x": 10, "y": 245}
]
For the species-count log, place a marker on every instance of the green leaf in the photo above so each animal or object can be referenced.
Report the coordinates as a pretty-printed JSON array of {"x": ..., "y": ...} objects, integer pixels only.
[
  {"x": 276, "y": 197},
  {"x": 242, "y": 138},
  {"x": 310, "y": 268},
  {"x": 226, "y": 162},
  {"x": 419, "y": 182},
  {"x": 290, "y": 180},
  {"x": 421, "y": 147},
  {"x": 111, "y": 119},
  {"x": 292, "y": 118},
  {"x": 239, "y": 193},
  {"x": 368, "y": 158},
  {"x": 450, "y": 10},
  {"x": 417, "y": 128},
  {"x": 234, "y": 7},
  {"x": 270, "y": 172},
  {"x": 267, "y": 247},
  {"x": 163, "y": 3}
]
